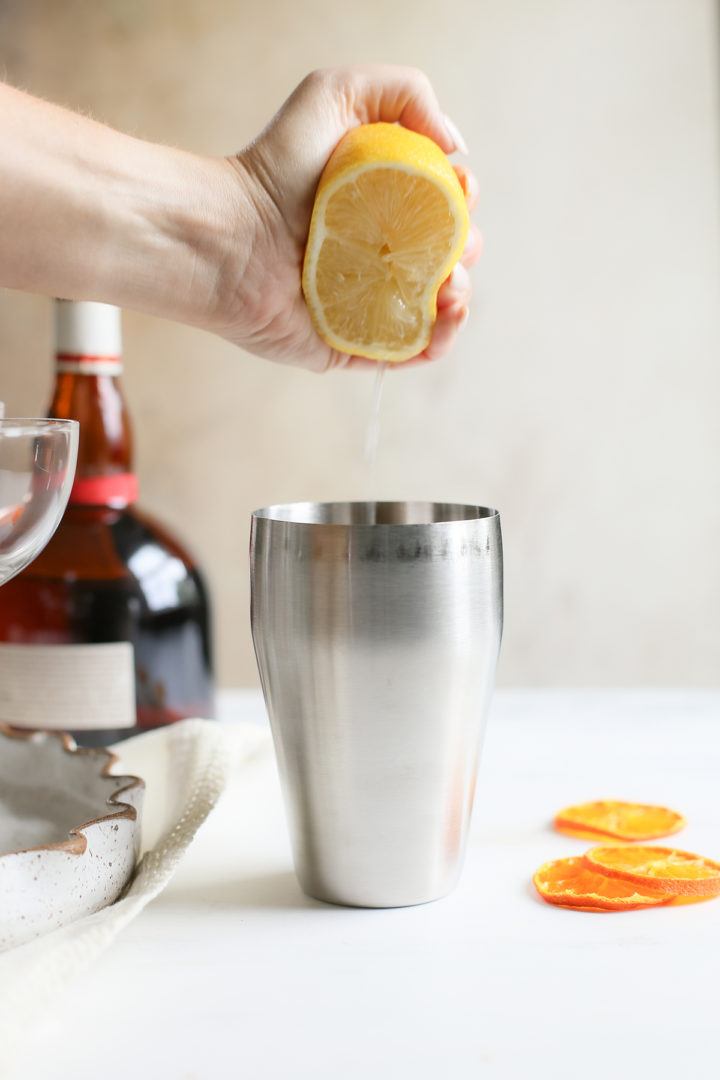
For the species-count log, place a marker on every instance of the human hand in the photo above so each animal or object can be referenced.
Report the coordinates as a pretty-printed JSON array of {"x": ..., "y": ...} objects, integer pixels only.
[
  {"x": 90, "y": 213},
  {"x": 260, "y": 304}
]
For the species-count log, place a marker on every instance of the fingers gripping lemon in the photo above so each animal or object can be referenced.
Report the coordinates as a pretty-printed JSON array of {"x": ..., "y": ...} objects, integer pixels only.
[{"x": 388, "y": 225}]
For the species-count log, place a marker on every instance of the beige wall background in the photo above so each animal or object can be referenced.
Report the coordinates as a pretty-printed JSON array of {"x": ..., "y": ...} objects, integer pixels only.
[{"x": 583, "y": 398}]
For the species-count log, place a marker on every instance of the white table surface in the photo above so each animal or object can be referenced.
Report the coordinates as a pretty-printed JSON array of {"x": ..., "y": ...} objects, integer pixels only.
[{"x": 232, "y": 972}]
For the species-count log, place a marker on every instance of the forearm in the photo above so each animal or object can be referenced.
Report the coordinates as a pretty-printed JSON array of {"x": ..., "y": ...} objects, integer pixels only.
[{"x": 89, "y": 213}]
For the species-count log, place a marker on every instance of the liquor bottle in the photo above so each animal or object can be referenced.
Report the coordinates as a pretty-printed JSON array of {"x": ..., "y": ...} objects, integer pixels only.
[{"x": 107, "y": 632}]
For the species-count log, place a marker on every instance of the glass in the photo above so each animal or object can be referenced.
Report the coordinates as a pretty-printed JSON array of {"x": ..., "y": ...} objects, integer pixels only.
[{"x": 37, "y": 467}]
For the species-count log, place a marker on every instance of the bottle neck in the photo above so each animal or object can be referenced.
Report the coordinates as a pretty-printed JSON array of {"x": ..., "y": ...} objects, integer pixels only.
[
  {"x": 88, "y": 366},
  {"x": 85, "y": 390}
]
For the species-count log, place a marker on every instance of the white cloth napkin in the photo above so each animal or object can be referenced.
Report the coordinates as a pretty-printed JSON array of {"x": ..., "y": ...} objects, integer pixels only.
[{"x": 186, "y": 768}]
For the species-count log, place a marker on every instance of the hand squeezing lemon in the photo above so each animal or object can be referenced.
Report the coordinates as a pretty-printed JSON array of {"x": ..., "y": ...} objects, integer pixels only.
[{"x": 389, "y": 223}]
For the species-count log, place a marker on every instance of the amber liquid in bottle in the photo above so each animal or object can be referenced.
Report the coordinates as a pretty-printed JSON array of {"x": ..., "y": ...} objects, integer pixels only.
[{"x": 111, "y": 574}]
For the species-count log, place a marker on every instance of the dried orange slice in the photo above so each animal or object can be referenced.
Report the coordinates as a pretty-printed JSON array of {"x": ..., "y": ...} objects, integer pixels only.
[
  {"x": 622, "y": 820},
  {"x": 389, "y": 223},
  {"x": 570, "y": 883},
  {"x": 679, "y": 873}
]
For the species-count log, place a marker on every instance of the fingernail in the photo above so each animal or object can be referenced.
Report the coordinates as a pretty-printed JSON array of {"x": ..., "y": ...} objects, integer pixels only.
[
  {"x": 472, "y": 191},
  {"x": 459, "y": 279},
  {"x": 455, "y": 135},
  {"x": 463, "y": 320}
]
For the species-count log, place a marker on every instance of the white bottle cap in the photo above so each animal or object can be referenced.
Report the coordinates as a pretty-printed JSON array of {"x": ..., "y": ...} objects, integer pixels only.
[{"x": 86, "y": 328}]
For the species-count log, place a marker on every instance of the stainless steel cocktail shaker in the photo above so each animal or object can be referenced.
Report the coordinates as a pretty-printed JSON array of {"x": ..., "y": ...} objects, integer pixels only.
[{"x": 377, "y": 628}]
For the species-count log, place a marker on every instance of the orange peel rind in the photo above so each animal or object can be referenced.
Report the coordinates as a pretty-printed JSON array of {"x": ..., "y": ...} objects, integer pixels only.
[
  {"x": 620, "y": 820},
  {"x": 674, "y": 872},
  {"x": 571, "y": 883}
]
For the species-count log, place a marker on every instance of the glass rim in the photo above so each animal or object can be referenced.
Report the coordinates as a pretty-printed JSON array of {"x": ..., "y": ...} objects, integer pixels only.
[{"x": 30, "y": 425}]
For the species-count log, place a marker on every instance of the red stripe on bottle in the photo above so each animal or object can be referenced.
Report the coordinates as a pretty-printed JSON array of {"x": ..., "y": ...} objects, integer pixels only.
[
  {"x": 78, "y": 358},
  {"x": 114, "y": 489}
]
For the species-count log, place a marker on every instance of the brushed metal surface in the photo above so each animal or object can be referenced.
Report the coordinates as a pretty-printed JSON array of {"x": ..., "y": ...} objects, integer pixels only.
[{"x": 377, "y": 628}]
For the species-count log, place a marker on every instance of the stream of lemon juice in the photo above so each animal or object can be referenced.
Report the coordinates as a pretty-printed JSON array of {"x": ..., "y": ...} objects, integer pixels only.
[{"x": 372, "y": 432}]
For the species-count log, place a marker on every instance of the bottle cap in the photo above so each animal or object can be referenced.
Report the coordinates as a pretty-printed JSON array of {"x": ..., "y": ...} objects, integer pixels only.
[{"x": 87, "y": 328}]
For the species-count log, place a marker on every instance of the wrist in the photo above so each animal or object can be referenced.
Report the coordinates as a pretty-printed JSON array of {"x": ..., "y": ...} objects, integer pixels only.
[{"x": 192, "y": 223}]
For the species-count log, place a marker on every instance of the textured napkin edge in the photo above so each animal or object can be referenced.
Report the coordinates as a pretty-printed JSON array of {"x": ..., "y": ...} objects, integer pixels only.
[{"x": 33, "y": 975}]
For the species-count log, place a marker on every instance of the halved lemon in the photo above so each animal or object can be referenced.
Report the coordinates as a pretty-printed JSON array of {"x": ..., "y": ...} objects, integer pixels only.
[{"x": 389, "y": 223}]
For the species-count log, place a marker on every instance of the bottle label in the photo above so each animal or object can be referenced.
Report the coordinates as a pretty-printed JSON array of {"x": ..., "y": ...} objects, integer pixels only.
[
  {"x": 114, "y": 489},
  {"x": 88, "y": 365},
  {"x": 68, "y": 687}
]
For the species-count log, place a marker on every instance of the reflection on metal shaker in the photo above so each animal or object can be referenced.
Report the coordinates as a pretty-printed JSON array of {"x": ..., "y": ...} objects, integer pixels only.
[{"x": 377, "y": 628}]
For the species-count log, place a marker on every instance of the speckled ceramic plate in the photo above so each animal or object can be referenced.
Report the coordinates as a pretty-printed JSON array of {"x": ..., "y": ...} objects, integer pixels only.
[{"x": 69, "y": 832}]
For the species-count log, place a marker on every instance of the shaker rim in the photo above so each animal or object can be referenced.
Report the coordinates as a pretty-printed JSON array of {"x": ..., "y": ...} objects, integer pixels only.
[{"x": 381, "y": 513}]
